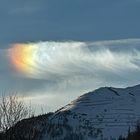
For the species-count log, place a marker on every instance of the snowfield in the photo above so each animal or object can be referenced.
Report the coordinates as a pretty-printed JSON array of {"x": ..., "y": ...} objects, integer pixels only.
[{"x": 103, "y": 114}]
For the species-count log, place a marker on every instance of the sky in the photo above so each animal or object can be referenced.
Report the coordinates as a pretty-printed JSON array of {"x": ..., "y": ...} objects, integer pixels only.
[{"x": 53, "y": 51}]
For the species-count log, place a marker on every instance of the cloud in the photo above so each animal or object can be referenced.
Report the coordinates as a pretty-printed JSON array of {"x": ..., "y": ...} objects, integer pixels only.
[
  {"x": 68, "y": 69},
  {"x": 60, "y": 61}
]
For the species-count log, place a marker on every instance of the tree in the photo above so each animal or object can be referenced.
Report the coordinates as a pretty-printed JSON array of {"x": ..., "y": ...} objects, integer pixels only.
[
  {"x": 12, "y": 110},
  {"x": 135, "y": 135}
]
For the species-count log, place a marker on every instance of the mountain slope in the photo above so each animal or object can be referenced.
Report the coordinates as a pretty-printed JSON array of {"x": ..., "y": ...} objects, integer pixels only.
[{"x": 104, "y": 113}]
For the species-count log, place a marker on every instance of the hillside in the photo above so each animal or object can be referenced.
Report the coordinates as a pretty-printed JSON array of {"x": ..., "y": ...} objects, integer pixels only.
[{"x": 105, "y": 113}]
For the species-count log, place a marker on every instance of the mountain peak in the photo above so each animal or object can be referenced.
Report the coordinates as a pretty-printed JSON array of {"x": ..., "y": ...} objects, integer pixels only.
[
  {"x": 108, "y": 110},
  {"x": 104, "y": 113}
]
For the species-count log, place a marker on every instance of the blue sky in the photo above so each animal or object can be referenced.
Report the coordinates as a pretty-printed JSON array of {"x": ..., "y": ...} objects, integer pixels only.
[
  {"x": 35, "y": 20},
  {"x": 116, "y": 61}
]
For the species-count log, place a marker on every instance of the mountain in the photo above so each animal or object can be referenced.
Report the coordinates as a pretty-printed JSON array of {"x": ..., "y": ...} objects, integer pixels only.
[{"x": 103, "y": 114}]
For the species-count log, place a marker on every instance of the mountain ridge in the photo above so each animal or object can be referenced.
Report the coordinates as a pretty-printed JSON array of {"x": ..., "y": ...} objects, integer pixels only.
[{"x": 104, "y": 113}]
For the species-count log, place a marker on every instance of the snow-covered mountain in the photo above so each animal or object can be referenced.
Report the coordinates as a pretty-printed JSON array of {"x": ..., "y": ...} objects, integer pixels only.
[{"x": 103, "y": 114}]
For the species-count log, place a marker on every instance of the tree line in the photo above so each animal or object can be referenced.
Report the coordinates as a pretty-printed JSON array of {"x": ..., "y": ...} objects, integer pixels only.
[{"x": 12, "y": 110}]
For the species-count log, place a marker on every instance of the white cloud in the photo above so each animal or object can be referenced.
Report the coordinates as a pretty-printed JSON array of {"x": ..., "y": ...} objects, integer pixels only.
[{"x": 68, "y": 69}]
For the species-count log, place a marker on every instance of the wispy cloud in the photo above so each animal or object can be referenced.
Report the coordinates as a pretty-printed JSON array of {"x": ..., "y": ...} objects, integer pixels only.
[
  {"x": 59, "y": 61},
  {"x": 71, "y": 68}
]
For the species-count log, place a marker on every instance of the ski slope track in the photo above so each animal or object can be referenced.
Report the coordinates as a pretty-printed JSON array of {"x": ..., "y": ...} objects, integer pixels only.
[{"x": 105, "y": 113}]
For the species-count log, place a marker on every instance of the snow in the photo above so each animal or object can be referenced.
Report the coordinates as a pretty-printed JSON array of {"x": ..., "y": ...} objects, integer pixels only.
[{"x": 104, "y": 113}]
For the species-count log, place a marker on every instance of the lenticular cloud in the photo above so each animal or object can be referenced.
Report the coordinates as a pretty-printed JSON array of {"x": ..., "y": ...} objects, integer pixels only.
[{"x": 65, "y": 60}]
